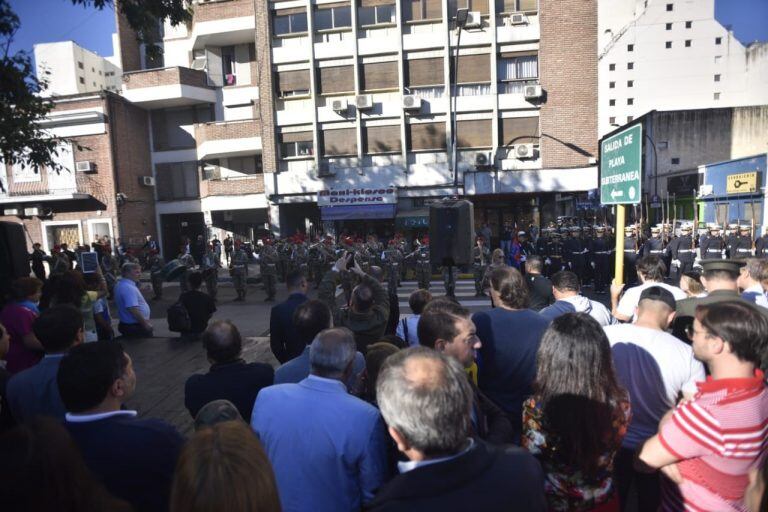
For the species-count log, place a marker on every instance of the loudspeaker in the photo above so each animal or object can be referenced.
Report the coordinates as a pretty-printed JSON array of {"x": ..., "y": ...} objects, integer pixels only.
[
  {"x": 451, "y": 225},
  {"x": 14, "y": 259}
]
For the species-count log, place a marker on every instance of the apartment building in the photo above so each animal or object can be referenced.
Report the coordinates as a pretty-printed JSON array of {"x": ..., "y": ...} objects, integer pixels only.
[
  {"x": 339, "y": 117},
  {"x": 673, "y": 55},
  {"x": 71, "y": 69},
  {"x": 104, "y": 186}
]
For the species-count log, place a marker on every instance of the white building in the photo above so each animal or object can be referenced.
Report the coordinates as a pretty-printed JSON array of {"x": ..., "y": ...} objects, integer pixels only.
[
  {"x": 71, "y": 69},
  {"x": 672, "y": 55}
]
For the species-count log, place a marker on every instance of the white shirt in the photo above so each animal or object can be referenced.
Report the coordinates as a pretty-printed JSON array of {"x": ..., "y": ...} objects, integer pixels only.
[
  {"x": 631, "y": 298},
  {"x": 85, "y": 418},
  {"x": 413, "y": 325},
  {"x": 756, "y": 294}
]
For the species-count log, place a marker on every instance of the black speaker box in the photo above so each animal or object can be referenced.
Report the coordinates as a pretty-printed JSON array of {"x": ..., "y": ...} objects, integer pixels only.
[
  {"x": 451, "y": 228},
  {"x": 14, "y": 259}
]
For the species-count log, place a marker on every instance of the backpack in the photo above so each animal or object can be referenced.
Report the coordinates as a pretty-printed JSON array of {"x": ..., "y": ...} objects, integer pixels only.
[{"x": 178, "y": 318}]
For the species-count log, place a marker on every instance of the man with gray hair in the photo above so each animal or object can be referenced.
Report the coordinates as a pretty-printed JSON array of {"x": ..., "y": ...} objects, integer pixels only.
[
  {"x": 327, "y": 447},
  {"x": 750, "y": 281},
  {"x": 426, "y": 400},
  {"x": 132, "y": 308}
]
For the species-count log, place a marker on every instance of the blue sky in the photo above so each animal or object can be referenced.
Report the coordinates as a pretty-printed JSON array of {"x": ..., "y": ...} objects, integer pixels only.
[{"x": 45, "y": 21}]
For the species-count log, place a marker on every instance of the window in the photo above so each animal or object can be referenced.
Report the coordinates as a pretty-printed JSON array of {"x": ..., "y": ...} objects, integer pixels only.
[
  {"x": 292, "y": 83},
  {"x": 630, "y": 47},
  {"x": 376, "y": 15},
  {"x": 93, "y": 70},
  {"x": 503, "y": 6},
  {"x": 630, "y": 118},
  {"x": 688, "y": 24},
  {"x": 419, "y": 10},
  {"x": 228, "y": 69},
  {"x": 519, "y": 130},
  {"x": 611, "y": 85},
  {"x": 336, "y": 79},
  {"x": 612, "y": 120},
  {"x": 99, "y": 72},
  {"x": 669, "y": 26},
  {"x": 340, "y": 142},
  {"x": 717, "y": 96},
  {"x": 687, "y": 43},
  {"x": 611, "y": 67},
  {"x": 296, "y": 145},
  {"x": 476, "y": 133},
  {"x": 611, "y": 103},
  {"x": 177, "y": 181},
  {"x": 630, "y": 65},
  {"x": 524, "y": 67},
  {"x": 718, "y": 58},
  {"x": 669, "y": 7},
  {"x": 630, "y": 83},
  {"x": 382, "y": 139},
  {"x": 245, "y": 164},
  {"x": 378, "y": 75},
  {"x": 82, "y": 80},
  {"x": 675, "y": 161},
  {"x": 333, "y": 18},
  {"x": 668, "y": 44},
  {"x": 630, "y": 101},
  {"x": 424, "y": 72},
  {"x": 717, "y": 78},
  {"x": 80, "y": 65},
  {"x": 290, "y": 22},
  {"x": 426, "y": 136},
  {"x": 718, "y": 40},
  {"x": 173, "y": 128}
]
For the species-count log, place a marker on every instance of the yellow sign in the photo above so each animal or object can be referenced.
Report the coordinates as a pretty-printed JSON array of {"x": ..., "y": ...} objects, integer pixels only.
[{"x": 741, "y": 183}]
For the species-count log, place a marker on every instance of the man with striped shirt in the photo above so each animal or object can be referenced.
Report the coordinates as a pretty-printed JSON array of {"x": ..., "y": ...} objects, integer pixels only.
[{"x": 707, "y": 446}]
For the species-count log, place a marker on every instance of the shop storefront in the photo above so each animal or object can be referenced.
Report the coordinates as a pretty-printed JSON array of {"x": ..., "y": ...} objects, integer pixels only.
[{"x": 358, "y": 211}]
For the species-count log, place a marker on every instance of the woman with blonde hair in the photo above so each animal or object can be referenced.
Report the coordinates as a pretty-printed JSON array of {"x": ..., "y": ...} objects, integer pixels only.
[{"x": 223, "y": 467}]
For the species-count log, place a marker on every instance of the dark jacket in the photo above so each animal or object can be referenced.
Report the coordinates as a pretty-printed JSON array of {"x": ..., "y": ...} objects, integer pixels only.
[
  {"x": 539, "y": 291},
  {"x": 490, "y": 423},
  {"x": 282, "y": 337},
  {"x": 484, "y": 479},
  {"x": 200, "y": 307},
  {"x": 239, "y": 382}
]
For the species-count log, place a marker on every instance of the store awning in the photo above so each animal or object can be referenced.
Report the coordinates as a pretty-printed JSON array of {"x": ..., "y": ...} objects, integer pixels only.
[
  {"x": 412, "y": 219},
  {"x": 358, "y": 212}
]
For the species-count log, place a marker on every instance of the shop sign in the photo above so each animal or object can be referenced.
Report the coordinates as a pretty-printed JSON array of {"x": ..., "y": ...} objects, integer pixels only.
[
  {"x": 741, "y": 183},
  {"x": 357, "y": 196},
  {"x": 620, "y": 162}
]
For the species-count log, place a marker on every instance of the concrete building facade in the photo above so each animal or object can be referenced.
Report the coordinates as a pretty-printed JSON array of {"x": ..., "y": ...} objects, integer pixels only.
[
  {"x": 672, "y": 55},
  {"x": 71, "y": 69}
]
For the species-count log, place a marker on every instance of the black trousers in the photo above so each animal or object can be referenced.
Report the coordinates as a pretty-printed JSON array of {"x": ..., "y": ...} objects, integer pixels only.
[
  {"x": 646, "y": 485},
  {"x": 133, "y": 330}
]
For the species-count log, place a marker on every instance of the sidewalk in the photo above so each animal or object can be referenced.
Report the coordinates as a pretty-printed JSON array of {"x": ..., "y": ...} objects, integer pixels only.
[{"x": 254, "y": 276}]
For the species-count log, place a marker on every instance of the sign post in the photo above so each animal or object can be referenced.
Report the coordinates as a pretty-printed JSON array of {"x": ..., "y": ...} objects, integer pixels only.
[{"x": 621, "y": 181}]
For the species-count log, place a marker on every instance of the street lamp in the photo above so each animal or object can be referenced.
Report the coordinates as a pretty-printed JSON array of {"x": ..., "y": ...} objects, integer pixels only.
[{"x": 461, "y": 21}]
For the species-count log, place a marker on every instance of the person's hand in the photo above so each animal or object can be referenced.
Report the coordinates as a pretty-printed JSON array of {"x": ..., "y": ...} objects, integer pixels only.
[
  {"x": 341, "y": 263},
  {"x": 356, "y": 268},
  {"x": 616, "y": 289},
  {"x": 672, "y": 472}
]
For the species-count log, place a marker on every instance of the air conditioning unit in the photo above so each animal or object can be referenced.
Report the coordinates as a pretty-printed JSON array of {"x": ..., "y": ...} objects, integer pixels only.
[
  {"x": 85, "y": 167},
  {"x": 516, "y": 19},
  {"x": 199, "y": 63},
  {"x": 31, "y": 212},
  {"x": 473, "y": 20},
  {"x": 364, "y": 102},
  {"x": 532, "y": 92},
  {"x": 411, "y": 102},
  {"x": 481, "y": 160},
  {"x": 325, "y": 170},
  {"x": 211, "y": 172},
  {"x": 147, "y": 181},
  {"x": 339, "y": 105},
  {"x": 523, "y": 151}
]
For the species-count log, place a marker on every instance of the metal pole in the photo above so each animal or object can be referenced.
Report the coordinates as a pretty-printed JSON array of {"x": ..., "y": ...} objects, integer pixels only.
[
  {"x": 620, "y": 221},
  {"x": 454, "y": 90}
]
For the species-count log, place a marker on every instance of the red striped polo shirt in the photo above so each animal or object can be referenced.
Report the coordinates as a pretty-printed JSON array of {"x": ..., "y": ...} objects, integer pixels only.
[{"x": 718, "y": 436}]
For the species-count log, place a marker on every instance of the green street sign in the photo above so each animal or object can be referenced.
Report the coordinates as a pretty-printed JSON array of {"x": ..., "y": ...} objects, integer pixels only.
[{"x": 620, "y": 167}]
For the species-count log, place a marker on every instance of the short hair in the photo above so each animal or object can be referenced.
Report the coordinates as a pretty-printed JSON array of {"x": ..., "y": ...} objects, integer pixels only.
[
  {"x": 739, "y": 324},
  {"x": 56, "y": 328},
  {"x": 720, "y": 275},
  {"x": 512, "y": 288},
  {"x": 294, "y": 279},
  {"x": 87, "y": 372},
  {"x": 310, "y": 319},
  {"x": 534, "y": 263},
  {"x": 128, "y": 267},
  {"x": 565, "y": 280},
  {"x": 756, "y": 268},
  {"x": 195, "y": 280},
  {"x": 393, "y": 339},
  {"x": 418, "y": 299},
  {"x": 222, "y": 341},
  {"x": 431, "y": 409},
  {"x": 651, "y": 267},
  {"x": 212, "y": 461},
  {"x": 375, "y": 355},
  {"x": 438, "y": 322},
  {"x": 216, "y": 411},
  {"x": 25, "y": 287},
  {"x": 362, "y": 297},
  {"x": 497, "y": 256},
  {"x": 331, "y": 352}
]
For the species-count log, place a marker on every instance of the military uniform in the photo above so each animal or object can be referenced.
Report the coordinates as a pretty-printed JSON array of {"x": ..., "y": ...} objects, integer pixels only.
[
  {"x": 449, "y": 280},
  {"x": 741, "y": 246},
  {"x": 713, "y": 247},
  {"x": 480, "y": 259},
  {"x": 300, "y": 258},
  {"x": 423, "y": 267},
  {"x": 630, "y": 258},
  {"x": 600, "y": 253},
  {"x": 156, "y": 263},
  {"x": 393, "y": 260},
  {"x": 188, "y": 261},
  {"x": 268, "y": 261},
  {"x": 239, "y": 265},
  {"x": 575, "y": 252},
  {"x": 761, "y": 246},
  {"x": 210, "y": 268},
  {"x": 682, "y": 252}
]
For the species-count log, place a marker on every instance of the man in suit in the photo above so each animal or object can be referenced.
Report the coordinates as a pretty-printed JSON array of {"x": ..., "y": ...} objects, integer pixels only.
[
  {"x": 327, "y": 448},
  {"x": 230, "y": 377},
  {"x": 282, "y": 334},
  {"x": 134, "y": 458},
  {"x": 426, "y": 400},
  {"x": 33, "y": 392}
]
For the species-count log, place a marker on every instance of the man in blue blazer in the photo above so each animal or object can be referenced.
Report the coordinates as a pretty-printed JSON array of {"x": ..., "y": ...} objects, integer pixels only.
[
  {"x": 33, "y": 392},
  {"x": 282, "y": 335}
]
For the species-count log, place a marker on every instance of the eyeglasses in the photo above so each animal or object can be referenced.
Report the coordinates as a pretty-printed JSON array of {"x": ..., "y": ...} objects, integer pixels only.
[{"x": 691, "y": 332}]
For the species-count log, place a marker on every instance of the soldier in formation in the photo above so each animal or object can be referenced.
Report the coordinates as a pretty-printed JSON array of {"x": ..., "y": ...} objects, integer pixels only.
[
  {"x": 481, "y": 257},
  {"x": 238, "y": 265},
  {"x": 269, "y": 259},
  {"x": 155, "y": 263},
  {"x": 392, "y": 260},
  {"x": 423, "y": 264},
  {"x": 210, "y": 268}
]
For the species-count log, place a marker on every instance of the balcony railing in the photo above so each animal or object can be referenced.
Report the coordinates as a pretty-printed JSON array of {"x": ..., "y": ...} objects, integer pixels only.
[
  {"x": 227, "y": 130},
  {"x": 221, "y": 9},
  {"x": 165, "y": 76},
  {"x": 82, "y": 184},
  {"x": 233, "y": 186}
]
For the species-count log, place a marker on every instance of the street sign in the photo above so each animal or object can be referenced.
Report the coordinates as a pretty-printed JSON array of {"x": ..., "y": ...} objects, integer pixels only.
[{"x": 620, "y": 167}]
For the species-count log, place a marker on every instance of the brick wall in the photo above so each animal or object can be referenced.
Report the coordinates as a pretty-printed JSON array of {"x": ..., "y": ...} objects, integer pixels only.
[
  {"x": 129, "y": 45},
  {"x": 165, "y": 76},
  {"x": 233, "y": 187},
  {"x": 568, "y": 74},
  {"x": 223, "y": 10},
  {"x": 227, "y": 130},
  {"x": 266, "y": 82}
]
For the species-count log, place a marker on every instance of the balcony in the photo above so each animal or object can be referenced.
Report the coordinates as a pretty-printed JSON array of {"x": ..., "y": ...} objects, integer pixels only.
[
  {"x": 223, "y": 23},
  {"x": 233, "y": 186},
  {"x": 56, "y": 187},
  {"x": 167, "y": 87},
  {"x": 228, "y": 138}
]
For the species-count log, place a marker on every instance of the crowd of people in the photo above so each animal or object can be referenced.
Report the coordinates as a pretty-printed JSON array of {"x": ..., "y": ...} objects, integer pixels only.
[{"x": 548, "y": 400}]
